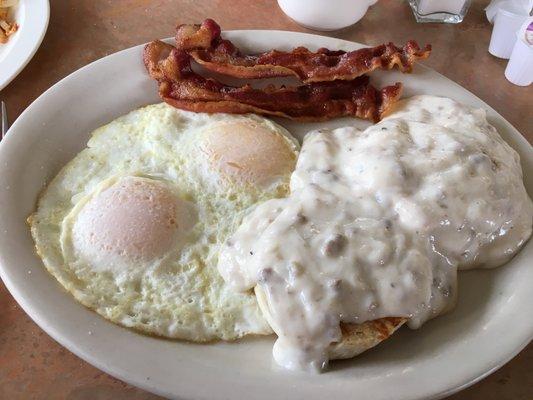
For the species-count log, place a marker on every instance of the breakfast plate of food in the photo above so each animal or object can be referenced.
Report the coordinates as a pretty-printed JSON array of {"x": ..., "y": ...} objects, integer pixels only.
[
  {"x": 23, "y": 24},
  {"x": 269, "y": 214}
]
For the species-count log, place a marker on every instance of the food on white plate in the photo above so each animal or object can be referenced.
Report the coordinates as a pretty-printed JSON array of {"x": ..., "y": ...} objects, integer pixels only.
[
  {"x": 205, "y": 226},
  {"x": 7, "y": 25},
  {"x": 132, "y": 226},
  {"x": 377, "y": 224}
]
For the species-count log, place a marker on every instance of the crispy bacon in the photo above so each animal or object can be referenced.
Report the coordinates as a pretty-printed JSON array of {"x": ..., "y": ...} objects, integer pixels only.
[
  {"x": 204, "y": 43},
  {"x": 181, "y": 87}
]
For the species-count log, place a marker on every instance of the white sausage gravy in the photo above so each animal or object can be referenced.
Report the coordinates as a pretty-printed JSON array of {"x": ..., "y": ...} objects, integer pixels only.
[{"x": 377, "y": 224}]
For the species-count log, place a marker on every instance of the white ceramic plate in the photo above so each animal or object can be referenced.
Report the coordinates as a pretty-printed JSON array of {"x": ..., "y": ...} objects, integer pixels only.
[
  {"x": 32, "y": 17},
  {"x": 491, "y": 323}
]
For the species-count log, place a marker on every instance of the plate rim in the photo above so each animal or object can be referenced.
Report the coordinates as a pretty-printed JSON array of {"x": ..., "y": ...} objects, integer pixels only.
[
  {"x": 37, "y": 18},
  {"x": 56, "y": 335}
]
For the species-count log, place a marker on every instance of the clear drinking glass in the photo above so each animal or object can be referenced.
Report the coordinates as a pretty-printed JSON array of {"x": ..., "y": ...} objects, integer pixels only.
[{"x": 447, "y": 11}]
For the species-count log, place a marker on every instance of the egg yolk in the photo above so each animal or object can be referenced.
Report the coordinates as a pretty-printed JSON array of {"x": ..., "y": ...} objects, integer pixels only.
[
  {"x": 248, "y": 152},
  {"x": 135, "y": 219}
]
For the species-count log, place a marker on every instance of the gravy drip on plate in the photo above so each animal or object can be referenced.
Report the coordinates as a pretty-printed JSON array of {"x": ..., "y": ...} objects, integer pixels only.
[{"x": 377, "y": 224}]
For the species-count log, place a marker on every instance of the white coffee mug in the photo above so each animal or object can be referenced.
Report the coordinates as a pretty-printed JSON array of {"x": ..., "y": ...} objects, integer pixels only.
[{"x": 325, "y": 15}]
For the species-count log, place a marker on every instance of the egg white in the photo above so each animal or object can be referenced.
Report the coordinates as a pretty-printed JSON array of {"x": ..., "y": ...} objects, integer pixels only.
[{"x": 179, "y": 294}]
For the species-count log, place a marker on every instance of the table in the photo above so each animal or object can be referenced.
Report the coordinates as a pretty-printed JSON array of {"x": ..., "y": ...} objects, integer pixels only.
[{"x": 32, "y": 365}]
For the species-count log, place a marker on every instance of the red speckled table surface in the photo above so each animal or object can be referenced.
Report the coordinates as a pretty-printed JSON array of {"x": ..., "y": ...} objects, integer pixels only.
[{"x": 32, "y": 365}]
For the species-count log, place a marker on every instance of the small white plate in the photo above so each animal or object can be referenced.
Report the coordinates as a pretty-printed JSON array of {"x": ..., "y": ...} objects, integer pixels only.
[
  {"x": 32, "y": 17},
  {"x": 491, "y": 323}
]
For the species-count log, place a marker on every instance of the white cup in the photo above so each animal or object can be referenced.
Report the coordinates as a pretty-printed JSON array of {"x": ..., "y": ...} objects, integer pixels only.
[
  {"x": 503, "y": 38},
  {"x": 325, "y": 15},
  {"x": 520, "y": 67}
]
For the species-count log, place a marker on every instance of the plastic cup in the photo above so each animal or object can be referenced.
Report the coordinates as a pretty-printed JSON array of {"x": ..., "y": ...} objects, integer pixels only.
[
  {"x": 503, "y": 38},
  {"x": 520, "y": 67}
]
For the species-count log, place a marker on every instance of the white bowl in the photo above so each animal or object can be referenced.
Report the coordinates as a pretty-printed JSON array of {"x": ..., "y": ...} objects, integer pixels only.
[{"x": 325, "y": 15}]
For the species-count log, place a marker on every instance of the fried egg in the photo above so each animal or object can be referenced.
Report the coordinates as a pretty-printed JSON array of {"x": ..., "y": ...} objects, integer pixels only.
[{"x": 132, "y": 226}]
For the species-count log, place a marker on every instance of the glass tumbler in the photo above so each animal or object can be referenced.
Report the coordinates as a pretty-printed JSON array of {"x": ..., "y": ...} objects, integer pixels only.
[{"x": 446, "y": 11}]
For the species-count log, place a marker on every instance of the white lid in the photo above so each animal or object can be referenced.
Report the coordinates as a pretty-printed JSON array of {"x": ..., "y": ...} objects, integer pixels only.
[
  {"x": 525, "y": 33},
  {"x": 520, "y": 7}
]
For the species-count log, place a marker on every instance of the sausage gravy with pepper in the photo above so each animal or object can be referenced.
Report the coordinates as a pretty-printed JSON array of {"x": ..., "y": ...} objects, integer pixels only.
[{"x": 377, "y": 224}]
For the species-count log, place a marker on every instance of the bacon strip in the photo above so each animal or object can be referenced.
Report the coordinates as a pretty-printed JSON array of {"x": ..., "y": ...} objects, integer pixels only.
[
  {"x": 182, "y": 88},
  {"x": 204, "y": 43}
]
